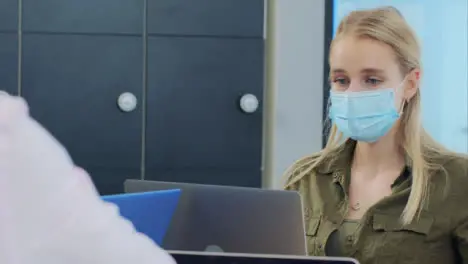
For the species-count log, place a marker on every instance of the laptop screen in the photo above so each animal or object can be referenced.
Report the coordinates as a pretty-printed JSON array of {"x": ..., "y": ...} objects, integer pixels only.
[{"x": 201, "y": 258}]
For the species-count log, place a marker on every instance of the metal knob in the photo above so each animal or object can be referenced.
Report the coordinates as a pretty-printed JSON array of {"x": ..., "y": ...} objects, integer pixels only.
[
  {"x": 127, "y": 102},
  {"x": 249, "y": 103}
]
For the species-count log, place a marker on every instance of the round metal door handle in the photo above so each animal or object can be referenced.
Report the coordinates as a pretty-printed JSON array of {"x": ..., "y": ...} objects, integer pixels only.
[
  {"x": 249, "y": 103},
  {"x": 127, "y": 102}
]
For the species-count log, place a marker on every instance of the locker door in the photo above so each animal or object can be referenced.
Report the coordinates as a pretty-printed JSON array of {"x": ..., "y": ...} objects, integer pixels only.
[
  {"x": 195, "y": 129},
  {"x": 72, "y": 84}
]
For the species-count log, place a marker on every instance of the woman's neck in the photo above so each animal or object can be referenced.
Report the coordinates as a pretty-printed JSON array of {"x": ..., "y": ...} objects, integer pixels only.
[{"x": 383, "y": 155}]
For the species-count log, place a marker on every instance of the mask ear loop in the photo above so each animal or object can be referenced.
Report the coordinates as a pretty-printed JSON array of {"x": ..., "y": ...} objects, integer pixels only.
[
  {"x": 403, "y": 106},
  {"x": 404, "y": 101}
]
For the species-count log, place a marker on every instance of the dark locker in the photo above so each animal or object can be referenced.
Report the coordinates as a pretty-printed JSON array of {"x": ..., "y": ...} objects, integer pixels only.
[
  {"x": 195, "y": 129},
  {"x": 9, "y": 62},
  {"x": 84, "y": 16},
  {"x": 9, "y": 15},
  {"x": 242, "y": 18},
  {"x": 72, "y": 83}
]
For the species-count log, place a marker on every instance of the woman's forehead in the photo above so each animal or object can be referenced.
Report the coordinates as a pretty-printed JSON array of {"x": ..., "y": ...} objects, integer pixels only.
[{"x": 355, "y": 56}]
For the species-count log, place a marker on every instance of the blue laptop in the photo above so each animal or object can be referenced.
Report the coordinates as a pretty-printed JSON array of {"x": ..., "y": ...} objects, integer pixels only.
[{"x": 150, "y": 212}]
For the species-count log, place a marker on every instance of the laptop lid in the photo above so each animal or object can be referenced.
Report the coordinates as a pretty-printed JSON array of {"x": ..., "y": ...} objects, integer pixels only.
[
  {"x": 182, "y": 257},
  {"x": 149, "y": 212},
  {"x": 232, "y": 219}
]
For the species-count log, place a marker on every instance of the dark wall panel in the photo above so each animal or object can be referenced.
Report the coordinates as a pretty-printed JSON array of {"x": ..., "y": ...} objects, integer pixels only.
[
  {"x": 110, "y": 180},
  {"x": 84, "y": 16},
  {"x": 72, "y": 83},
  {"x": 203, "y": 55},
  {"x": 193, "y": 116},
  {"x": 206, "y": 17},
  {"x": 214, "y": 176},
  {"x": 9, "y": 62},
  {"x": 8, "y": 15}
]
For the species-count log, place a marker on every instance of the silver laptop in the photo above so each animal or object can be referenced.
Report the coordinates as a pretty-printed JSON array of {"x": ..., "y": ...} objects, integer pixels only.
[
  {"x": 232, "y": 219},
  {"x": 182, "y": 257}
]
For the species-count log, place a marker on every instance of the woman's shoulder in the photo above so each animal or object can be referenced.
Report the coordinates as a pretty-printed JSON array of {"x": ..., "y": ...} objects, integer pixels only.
[
  {"x": 457, "y": 168},
  {"x": 452, "y": 173},
  {"x": 449, "y": 189},
  {"x": 455, "y": 165},
  {"x": 302, "y": 168},
  {"x": 322, "y": 162}
]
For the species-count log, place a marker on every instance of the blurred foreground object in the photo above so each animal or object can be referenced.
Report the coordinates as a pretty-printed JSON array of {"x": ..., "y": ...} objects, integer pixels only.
[{"x": 50, "y": 211}]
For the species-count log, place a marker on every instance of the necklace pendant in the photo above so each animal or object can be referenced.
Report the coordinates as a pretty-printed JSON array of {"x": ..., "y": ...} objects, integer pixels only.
[{"x": 356, "y": 206}]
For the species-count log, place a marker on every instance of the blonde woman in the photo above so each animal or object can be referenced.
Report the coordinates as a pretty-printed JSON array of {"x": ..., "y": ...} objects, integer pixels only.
[
  {"x": 50, "y": 212},
  {"x": 381, "y": 191}
]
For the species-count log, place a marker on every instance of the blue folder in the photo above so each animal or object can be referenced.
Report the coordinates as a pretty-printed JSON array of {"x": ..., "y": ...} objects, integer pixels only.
[{"x": 150, "y": 212}]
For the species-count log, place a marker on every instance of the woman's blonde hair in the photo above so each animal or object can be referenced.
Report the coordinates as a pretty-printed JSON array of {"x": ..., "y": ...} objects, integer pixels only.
[{"x": 387, "y": 25}]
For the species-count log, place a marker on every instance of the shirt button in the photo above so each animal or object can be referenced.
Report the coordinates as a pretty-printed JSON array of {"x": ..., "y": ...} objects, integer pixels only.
[
  {"x": 306, "y": 213},
  {"x": 350, "y": 238}
]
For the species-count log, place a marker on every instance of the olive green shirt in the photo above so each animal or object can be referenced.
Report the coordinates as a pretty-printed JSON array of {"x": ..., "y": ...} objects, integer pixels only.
[
  {"x": 340, "y": 242},
  {"x": 439, "y": 235}
]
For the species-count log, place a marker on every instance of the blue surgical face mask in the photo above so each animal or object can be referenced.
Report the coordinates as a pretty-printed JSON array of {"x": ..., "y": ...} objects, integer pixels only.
[{"x": 364, "y": 116}]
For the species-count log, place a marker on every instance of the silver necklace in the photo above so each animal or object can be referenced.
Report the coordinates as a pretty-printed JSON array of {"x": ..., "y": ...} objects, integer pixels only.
[{"x": 356, "y": 206}]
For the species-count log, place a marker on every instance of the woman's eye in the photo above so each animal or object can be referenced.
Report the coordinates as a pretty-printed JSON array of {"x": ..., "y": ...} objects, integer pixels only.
[
  {"x": 340, "y": 81},
  {"x": 373, "y": 81}
]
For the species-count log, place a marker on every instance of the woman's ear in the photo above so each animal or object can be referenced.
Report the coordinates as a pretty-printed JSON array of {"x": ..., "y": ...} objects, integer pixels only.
[{"x": 413, "y": 80}]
